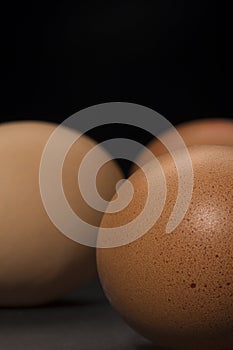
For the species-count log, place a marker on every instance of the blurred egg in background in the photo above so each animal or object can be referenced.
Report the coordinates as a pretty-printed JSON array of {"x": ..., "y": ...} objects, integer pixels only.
[
  {"x": 57, "y": 58},
  {"x": 38, "y": 263},
  {"x": 195, "y": 132}
]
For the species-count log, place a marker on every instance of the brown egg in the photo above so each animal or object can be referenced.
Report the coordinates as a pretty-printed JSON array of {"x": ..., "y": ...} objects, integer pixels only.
[
  {"x": 176, "y": 288},
  {"x": 196, "y": 132},
  {"x": 37, "y": 262}
]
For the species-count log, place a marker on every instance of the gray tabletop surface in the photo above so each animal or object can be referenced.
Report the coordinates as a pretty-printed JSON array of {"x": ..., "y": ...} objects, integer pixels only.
[{"x": 84, "y": 321}]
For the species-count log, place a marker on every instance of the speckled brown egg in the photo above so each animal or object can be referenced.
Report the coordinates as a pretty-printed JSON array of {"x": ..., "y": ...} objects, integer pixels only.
[
  {"x": 196, "y": 132},
  {"x": 38, "y": 263},
  {"x": 176, "y": 289}
]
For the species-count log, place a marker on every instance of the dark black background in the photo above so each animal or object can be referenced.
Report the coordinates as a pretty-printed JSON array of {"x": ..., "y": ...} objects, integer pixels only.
[{"x": 61, "y": 56}]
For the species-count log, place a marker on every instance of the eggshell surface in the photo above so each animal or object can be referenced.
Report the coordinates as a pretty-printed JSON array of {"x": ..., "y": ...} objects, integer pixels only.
[
  {"x": 195, "y": 132},
  {"x": 38, "y": 263},
  {"x": 176, "y": 289}
]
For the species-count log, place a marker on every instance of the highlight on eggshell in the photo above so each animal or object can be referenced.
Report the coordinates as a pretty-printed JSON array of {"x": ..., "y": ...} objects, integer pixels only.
[{"x": 38, "y": 263}]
